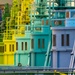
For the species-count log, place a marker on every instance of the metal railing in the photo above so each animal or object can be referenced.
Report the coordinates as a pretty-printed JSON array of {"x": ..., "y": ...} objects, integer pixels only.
[{"x": 28, "y": 69}]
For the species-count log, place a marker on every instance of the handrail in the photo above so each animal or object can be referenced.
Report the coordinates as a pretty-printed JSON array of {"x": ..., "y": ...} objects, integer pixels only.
[
  {"x": 72, "y": 60},
  {"x": 47, "y": 54},
  {"x": 31, "y": 69}
]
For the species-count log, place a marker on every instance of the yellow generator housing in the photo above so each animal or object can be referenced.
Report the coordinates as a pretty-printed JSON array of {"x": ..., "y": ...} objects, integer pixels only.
[{"x": 9, "y": 43}]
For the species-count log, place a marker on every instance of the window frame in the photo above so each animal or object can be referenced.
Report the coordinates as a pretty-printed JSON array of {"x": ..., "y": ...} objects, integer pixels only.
[
  {"x": 39, "y": 43},
  {"x": 16, "y": 45},
  {"x": 65, "y": 41},
  {"x": 62, "y": 40},
  {"x": 10, "y": 48},
  {"x": 5, "y": 47},
  {"x": 54, "y": 39},
  {"x": 22, "y": 45},
  {"x": 25, "y": 45},
  {"x": 13, "y": 47},
  {"x": 67, "y": 14},
  {"x": 43, "y": 43},
  {"x": 32, "y": 43}
]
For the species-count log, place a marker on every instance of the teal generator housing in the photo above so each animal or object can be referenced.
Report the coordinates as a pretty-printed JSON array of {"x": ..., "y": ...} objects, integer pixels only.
[
  {"x": 23, "y": 48},
  {"x": 40, "y": 39}
]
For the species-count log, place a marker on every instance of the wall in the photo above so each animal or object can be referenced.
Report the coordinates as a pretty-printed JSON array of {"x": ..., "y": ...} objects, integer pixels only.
[
  {"x": 6, "y": 1},
  {"x": 61, "y": 54}
]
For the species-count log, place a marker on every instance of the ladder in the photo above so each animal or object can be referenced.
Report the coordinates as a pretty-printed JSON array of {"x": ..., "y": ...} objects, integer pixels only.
[
  {"x": 72, "y": 60},
  {"x": 48, "y": 55}
]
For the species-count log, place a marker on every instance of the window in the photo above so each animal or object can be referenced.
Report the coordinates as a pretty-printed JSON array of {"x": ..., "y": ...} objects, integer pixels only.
[
  {"x": 67, "y": 14},
  {"x": 54, "y": 40},
  {"x": 38, "y": 28},
  {"x": 25, "y": 45},
  {"x": 10, "y": 48},
  {"x": 58, "y": 22},
  {"x": 67, "y": 39},
  {"x": 13, "y": 47},
  {"x": 29, "y": 28},
  {"x": 5, "y": 48},
  {"x": 16, "y": 45},
  {"x": 62, "y": 39},
  {"x": 2, "y": 49},
  {"x": 22, "y": 45},
  {"x": 19, "y": 14},
  {"x": 39, "y": 43},
  {"x": 26, "y": 8},
  {"x": 26, "y": 28},
  {"x": 22, "y": 32},
  {"x": 42, "y": 22},
  {"x": 46, "y": 22},
  {"x": 32, "y": 43},
  {"x": 43, "y": 43},
  {"x": 73, "y": 14}
]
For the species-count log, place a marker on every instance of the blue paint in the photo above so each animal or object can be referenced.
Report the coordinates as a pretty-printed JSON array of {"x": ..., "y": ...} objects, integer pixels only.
[
  {"x": 70, "y": 21},
  {"x": 58, "y": 59}
]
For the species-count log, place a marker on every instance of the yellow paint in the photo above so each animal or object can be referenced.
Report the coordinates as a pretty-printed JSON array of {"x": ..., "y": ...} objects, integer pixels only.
[
  {"x": 9, "y": 50},
  {"x": 60, "y": 73},
  {"x": 1, "y": 53},
  {"x": 1, "y": 58},
  {"x": 9, "y": 59}
]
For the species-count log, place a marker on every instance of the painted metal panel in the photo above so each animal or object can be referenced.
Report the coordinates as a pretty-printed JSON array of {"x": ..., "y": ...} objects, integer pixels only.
[
  {"x": 70, "y": 23},
  {"x": 64, "y": 59},
  {"x": 1, "y": 59},
  {"x": 21, "y": 58},
  {"x": 61, "y": 58},
  {"x": 54, "y": 58},
  {"x": 9, "y": 59},
  {"x": 40, "y": 58}
]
